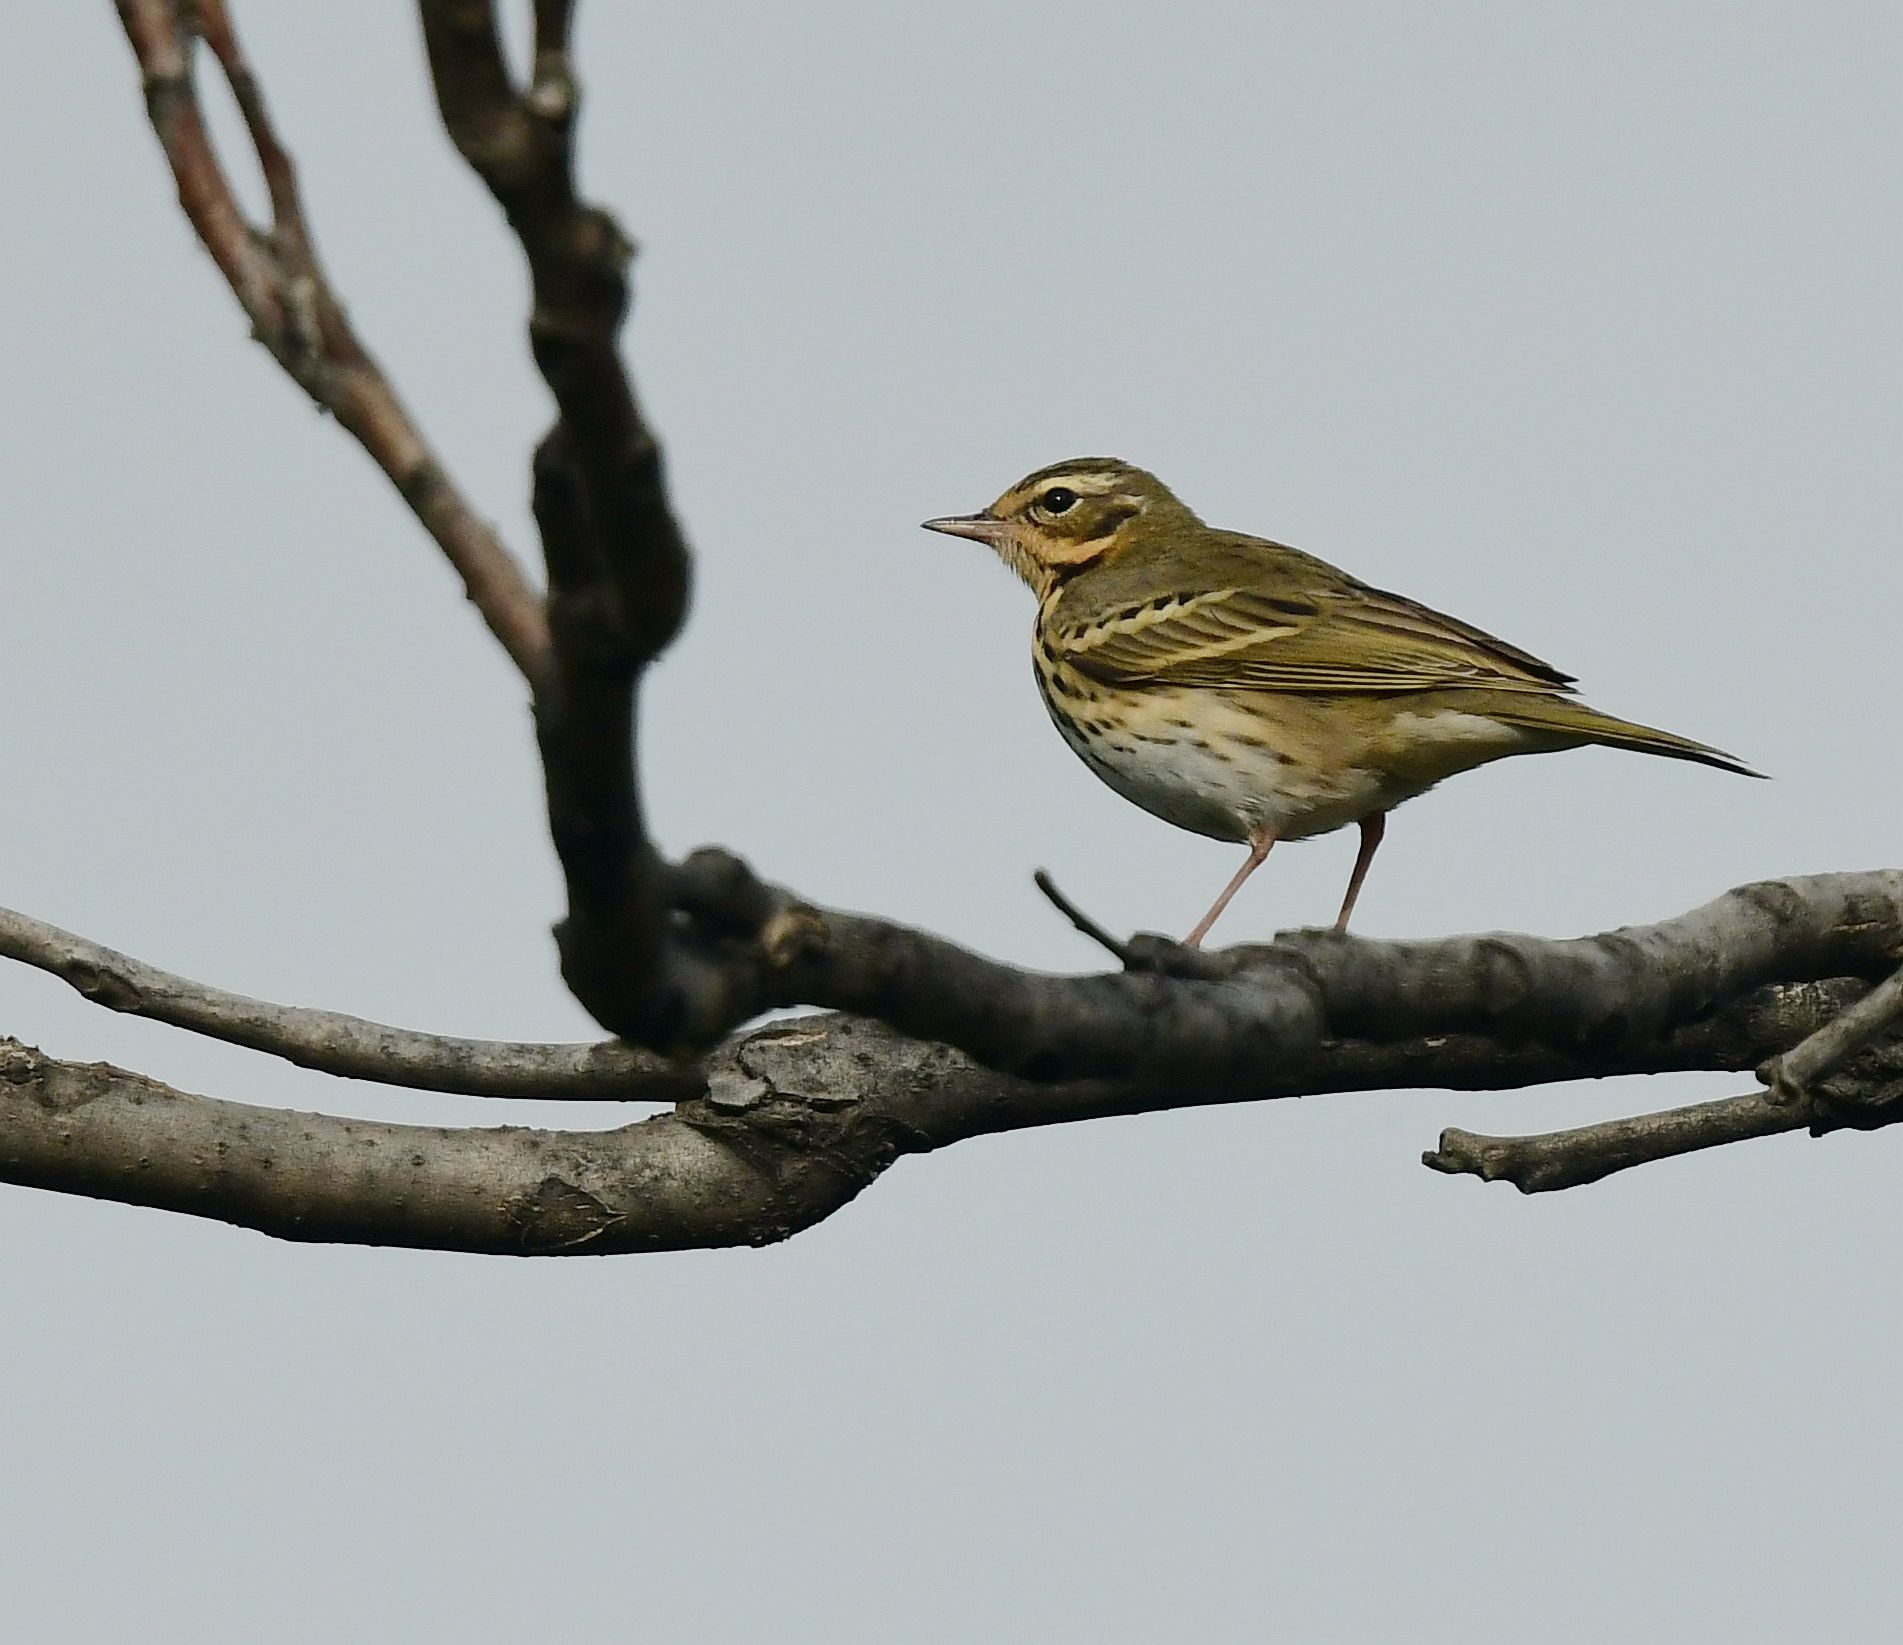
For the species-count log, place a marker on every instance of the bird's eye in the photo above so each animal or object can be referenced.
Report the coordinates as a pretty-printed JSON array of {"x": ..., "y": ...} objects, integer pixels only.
[{"x": 1057, "y": 500}]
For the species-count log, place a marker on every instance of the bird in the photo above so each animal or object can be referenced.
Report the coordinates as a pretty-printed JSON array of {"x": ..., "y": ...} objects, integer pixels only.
[{"x": 1250, "y": 692}]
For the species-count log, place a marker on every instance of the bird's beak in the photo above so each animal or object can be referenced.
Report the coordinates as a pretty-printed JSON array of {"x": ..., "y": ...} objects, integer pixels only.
[{"x": 980, "y": 528}]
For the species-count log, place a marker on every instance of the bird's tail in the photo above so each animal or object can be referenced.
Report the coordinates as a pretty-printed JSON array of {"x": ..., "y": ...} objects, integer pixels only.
[{"x": 1573, "y": 721}]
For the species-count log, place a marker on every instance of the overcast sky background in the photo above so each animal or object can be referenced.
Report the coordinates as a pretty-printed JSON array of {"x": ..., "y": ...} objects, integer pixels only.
[{"x": 1581, "y": 322}]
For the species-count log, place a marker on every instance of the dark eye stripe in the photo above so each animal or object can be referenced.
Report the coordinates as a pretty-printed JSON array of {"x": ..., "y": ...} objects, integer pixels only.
[{"x": 1113, "y": 517}]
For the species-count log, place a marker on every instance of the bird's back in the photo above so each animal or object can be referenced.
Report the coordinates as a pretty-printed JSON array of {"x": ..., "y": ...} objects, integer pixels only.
[{"x": 1245, "y": 613}]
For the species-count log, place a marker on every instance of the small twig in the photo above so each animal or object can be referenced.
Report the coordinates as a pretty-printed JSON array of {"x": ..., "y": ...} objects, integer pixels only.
[
  {"x": 1587, "y": 1153},
  {"x": 1082, "y": 921},
  {"x": 332, "y": 1043},
  {"x": 296, "y": 314},
  {"x": 1805, "y": 1067},
  {"x": 1147, "y": 950},
  {"x": 1865, "y": 1097}
]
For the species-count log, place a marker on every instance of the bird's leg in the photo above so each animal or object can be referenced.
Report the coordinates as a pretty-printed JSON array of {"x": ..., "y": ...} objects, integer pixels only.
[
  {"x": 1373, "y": 827},
  {"x": 1259, "y": 843}
]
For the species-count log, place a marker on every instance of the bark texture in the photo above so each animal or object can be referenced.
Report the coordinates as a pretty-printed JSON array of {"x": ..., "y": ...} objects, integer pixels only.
[{"x": 783, "y": 1125}]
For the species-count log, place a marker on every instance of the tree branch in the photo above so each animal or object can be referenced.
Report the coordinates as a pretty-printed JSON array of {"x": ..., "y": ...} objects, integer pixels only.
[
  {"x": 332, "y": 1043},
  {"x": 1808, "y": 1066},
  {"x": 295, "y": 313},
  {"x": 1587, "y": 1153},
  {"x": 1866, "y": 1098},
  {"x": 1846, "y": 1073},
  {"x": 618, "y": 564},
  {"x": 1222, "y": 1019},
  {"x": 795, "y": 1119},
  {"x": 662, "y": 1184},
  {"x": 1734, "y": 1036}
]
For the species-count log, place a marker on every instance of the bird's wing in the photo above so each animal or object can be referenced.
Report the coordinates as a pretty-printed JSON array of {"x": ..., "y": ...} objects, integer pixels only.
[{"x": 1274, "y": 619}]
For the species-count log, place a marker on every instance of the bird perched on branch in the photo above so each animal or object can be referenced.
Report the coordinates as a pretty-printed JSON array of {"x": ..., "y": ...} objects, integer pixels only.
[{"x": 1245, "y": 690}]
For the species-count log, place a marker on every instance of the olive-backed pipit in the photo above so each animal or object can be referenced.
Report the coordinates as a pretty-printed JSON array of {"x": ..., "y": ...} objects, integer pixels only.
[{"x": 1245, "y": 690}]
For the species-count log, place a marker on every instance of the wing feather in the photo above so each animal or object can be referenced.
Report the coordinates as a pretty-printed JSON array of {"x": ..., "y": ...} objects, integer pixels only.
[{"x": 1275, "y": 619}]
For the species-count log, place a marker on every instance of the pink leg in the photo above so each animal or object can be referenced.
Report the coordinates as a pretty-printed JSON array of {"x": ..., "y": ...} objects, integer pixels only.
[
  {"x": 1372, "y": 828},
  {"x": 1259, "y": 843}
]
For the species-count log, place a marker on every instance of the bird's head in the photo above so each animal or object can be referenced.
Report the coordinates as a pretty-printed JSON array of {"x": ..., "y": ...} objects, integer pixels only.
[{"x": 1067, "y": 516}]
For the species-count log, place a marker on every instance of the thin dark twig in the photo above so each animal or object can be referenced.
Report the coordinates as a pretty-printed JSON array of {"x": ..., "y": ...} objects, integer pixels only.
[{"x": 1082, "y": 921}]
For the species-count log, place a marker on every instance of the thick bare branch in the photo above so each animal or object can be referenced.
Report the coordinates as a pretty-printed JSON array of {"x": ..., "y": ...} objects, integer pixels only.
[
  {"x": 1736, "y": 1035},
  {"x": 792, "y": 1120},
  {"x": 521, "y": 145},
  {"x": 294, "y": 311},
  {"x": 663, "y": 1184},
  {"x": 1232, "y": 1016},
  {"x": 1320, "y": 1013},
  {"x": 618, "y": 564},
  {"x": 1778, "y": 1014},
  {"x": 795, "y": 1119}
]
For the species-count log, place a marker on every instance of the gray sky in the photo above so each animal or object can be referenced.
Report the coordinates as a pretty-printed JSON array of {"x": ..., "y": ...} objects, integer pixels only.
[{"x": 1581, "y": 322}]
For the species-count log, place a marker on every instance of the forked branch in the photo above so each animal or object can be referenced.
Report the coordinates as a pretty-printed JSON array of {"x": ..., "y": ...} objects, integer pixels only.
[
  {"x": 790, "y": 1122},
  {"x": 273, "y": 270}
]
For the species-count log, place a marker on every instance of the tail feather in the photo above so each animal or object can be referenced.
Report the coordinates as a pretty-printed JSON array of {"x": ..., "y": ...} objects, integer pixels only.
[{"x": 1573, "y": 720}]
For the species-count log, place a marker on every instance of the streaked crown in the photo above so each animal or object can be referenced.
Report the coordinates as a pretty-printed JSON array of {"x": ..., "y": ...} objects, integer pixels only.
[{"x": 1063, "y": 517}]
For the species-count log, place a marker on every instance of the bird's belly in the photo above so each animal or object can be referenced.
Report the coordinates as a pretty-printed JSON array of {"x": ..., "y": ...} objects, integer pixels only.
[
  {"x": 1227, "y": 765},
  {"x": 1210, "y": 765}
]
